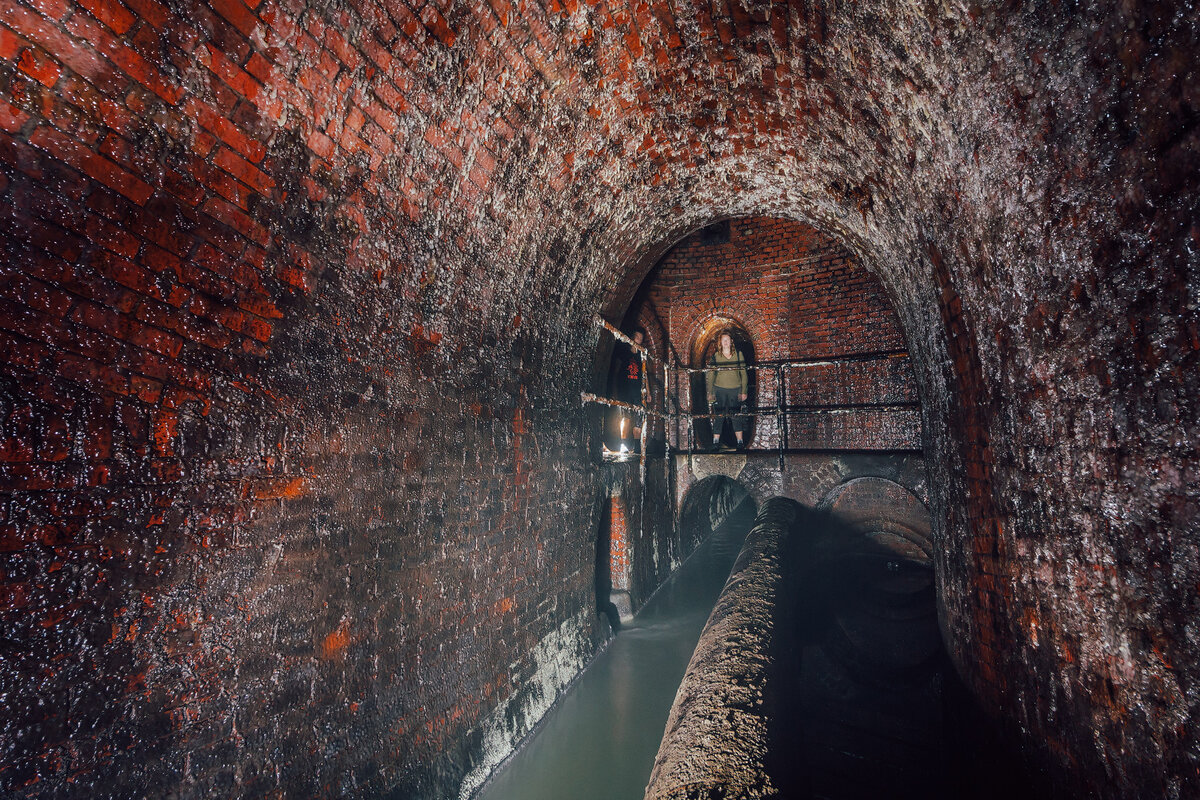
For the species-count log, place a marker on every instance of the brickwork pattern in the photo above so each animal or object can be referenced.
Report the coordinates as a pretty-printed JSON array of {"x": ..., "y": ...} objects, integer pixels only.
[
  {"x": 799, "y": 295},
  {"x": 293, "y": 312},
  {"x": 619, "y": 546}
]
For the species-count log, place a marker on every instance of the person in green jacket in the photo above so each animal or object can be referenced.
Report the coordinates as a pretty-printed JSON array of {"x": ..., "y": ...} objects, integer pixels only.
[{"x": 727, "y": 389}]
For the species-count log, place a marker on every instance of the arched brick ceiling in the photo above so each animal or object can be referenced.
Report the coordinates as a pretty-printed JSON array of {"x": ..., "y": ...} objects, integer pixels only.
[{"x": 278, "y": 264}]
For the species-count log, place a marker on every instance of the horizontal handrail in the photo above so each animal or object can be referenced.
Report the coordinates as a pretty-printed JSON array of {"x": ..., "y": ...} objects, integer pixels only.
[
  {"x": 621, "y": 337},
  {"x": 847, "y": 408},
  {"x": 588, "y": 397},
  {"x": 815, "y": 361},
  {"x": 843, "y": 408},
  {"x": 674, "y": 396}
]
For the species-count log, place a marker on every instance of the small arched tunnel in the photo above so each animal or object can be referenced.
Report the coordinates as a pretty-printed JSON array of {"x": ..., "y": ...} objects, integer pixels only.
[
  {"x": 875, "y": 705},
  {"x": 714, "y": 502},
  {"x": 298, "y": 496},
  {"x": 820, "y": 671}
]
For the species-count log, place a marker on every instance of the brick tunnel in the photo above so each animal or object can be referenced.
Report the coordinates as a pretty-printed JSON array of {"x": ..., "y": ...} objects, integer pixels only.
[{"x": 300, "y": 498}]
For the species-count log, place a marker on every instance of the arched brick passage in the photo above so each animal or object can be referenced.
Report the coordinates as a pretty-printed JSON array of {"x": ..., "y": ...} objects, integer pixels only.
[
  {"x": 875, "y": 505},
  {"x": 703, "y": 341},
  {"x": 881, "y": 544},
  {"x": 797, "y": 295},
  {"x": 712, "y": 502},
  {"x": 295, "y": 322},
  {"x": 703, "y": 344}
]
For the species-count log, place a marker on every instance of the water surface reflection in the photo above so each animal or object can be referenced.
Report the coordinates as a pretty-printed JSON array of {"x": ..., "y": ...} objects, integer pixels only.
[{"x": 599, "y": 741}]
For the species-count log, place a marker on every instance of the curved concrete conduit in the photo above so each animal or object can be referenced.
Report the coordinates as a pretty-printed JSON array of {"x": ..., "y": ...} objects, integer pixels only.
[
  {"x": 821, "y": 673},
  {"x": 720, "y": 732}
]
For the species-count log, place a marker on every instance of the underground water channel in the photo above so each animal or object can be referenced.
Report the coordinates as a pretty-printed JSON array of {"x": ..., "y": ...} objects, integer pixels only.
[
  {"x": 600, "y": 739},
  {"x": 872, "y": 709}
]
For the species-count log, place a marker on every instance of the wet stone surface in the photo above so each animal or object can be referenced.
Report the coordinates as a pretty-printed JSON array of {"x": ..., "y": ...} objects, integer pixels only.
[{"x": 295, "y": 314}]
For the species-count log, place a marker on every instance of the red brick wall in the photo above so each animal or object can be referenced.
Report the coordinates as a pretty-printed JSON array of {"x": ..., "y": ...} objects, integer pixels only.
[
  {"x": 257, "y": 537},
  {"x": 802, "y": 292},
  {"x": 293, "y": 314},
  {"x": 798, "y": 294},
  {"x": 619, "y": 552}
]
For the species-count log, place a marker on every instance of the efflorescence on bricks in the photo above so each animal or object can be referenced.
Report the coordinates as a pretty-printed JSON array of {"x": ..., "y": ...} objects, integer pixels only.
[{"x": 295, "y": 316}]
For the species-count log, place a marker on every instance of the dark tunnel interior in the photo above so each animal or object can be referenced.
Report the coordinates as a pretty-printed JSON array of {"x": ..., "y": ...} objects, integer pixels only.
[
  {"x": 308, "y": 311},
  {"x": 872, "y": 704}
]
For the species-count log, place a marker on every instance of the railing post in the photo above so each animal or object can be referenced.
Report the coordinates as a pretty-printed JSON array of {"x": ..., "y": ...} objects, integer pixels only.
[
  {"x": 779, "y": 416},
  {"x": 783, "y": 402},
  {"x": 645, "y": 395},
  {"x": 691, "y": 421},
  {"x": 667, "y": 399}
]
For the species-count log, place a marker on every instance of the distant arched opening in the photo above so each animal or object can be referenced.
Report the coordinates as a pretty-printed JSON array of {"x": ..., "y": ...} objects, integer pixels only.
[
  {"x": 883, "y": 612},
  {"x": 704, "y": 345},
  {"x": 711, "y": 503}
]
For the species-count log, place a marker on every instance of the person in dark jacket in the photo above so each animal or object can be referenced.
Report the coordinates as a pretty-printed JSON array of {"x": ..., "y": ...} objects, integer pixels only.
[{"x": 628, "y": 379}]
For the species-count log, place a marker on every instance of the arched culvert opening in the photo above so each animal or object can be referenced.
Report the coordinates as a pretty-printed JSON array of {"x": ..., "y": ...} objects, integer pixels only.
[
  {"x": 877, "y": 567},
  {"x": 701, "y": 351},
  {"x": 712, "y": 503},
  {"x": 875, "y": 698}
]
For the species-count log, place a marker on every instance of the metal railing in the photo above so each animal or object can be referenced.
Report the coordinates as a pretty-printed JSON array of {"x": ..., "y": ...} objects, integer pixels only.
[{"x": 672, "y": 410}]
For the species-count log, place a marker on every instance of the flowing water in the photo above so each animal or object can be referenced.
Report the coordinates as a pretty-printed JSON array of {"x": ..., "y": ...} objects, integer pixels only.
[
  {"x": 600, "y": 739},
  {"x": 876, "y": 711}
]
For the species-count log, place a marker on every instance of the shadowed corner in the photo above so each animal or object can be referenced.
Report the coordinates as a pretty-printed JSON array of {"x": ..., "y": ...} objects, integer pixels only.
[{"x": 605, "y": 607}]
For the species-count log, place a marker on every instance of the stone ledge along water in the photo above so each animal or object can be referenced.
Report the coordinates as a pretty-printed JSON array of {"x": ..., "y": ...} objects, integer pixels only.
[{"x": 599, "y": 742}]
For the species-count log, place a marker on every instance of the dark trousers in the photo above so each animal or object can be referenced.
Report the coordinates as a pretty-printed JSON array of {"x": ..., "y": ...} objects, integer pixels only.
[{"x": 727, "y": 403}]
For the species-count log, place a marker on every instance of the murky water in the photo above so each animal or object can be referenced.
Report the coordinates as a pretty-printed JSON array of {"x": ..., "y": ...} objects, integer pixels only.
[{"x": 599, "y": 741}]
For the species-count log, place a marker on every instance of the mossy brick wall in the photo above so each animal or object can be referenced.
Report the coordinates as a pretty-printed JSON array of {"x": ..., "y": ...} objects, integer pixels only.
[{"x": 295, "y": 318}]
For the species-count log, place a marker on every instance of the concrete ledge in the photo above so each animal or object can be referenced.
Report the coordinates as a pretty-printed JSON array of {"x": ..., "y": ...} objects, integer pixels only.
[{"x": 720, "y": 731}]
